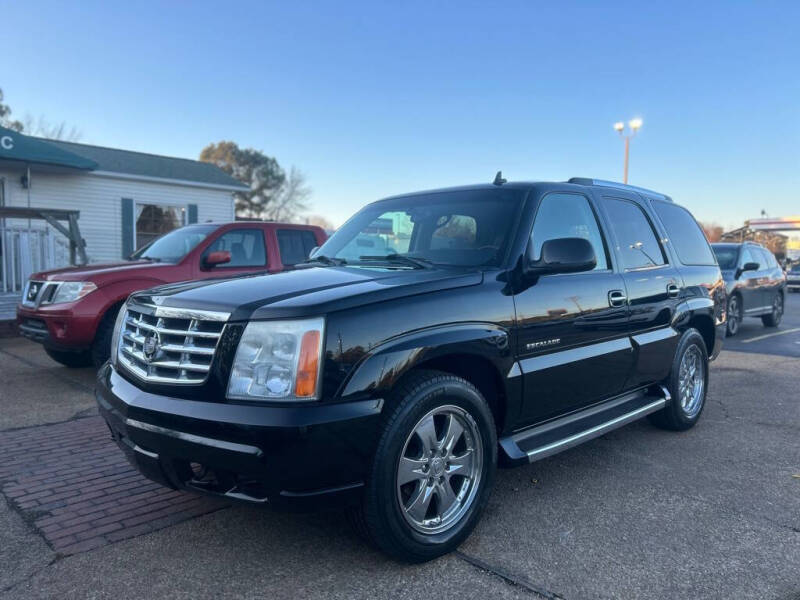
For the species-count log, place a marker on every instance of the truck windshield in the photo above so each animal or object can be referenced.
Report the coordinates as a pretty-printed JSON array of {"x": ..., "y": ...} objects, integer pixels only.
[
  {"x": 726, "y": 256},
  {"x": 173, "y": 246},
  {"x": 453, "y": 228}
]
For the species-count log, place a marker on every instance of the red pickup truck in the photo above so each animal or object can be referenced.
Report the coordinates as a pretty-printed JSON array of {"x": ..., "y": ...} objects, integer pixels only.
[{"x": 72, "y": 311}]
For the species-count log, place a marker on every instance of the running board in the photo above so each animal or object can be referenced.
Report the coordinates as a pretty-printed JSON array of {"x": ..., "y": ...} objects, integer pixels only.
[{"x": 541, "y": 441}]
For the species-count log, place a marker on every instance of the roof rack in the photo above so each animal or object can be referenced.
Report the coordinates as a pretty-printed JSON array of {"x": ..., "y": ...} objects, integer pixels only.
[{"x": 620, "y": 186}]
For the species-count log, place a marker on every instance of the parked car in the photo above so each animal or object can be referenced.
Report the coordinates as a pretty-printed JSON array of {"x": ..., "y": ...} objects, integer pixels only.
[
  {"x": 793, "y": 278},
  {"x": 72, "y": 311},
  {"x": 755, "y": 282},
  {"x": 490, "y": 323}
]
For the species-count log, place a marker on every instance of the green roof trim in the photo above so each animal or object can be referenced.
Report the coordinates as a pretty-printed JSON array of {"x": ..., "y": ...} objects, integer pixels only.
[
  {"x": 18, "y": 147},
  {"x": 141, "y": 164},
  {"x": 22, "y": 148}
]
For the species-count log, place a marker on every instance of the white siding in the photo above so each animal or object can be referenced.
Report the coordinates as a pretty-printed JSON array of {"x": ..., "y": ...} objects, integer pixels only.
[{"x": 98, "y": 200}]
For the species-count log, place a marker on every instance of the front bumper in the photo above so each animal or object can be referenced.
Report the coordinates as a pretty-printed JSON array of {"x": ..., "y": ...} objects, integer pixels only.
[
  {"x": 301, "y": 456},
  {"x": 56, "y": 328}
]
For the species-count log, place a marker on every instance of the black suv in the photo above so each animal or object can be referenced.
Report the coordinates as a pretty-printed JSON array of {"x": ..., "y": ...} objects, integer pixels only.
[
  {"x": 432, "y": 337},
  {"x": 755, "y": 283}
]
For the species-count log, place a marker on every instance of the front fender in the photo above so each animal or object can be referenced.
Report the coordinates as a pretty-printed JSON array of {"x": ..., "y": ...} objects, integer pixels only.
[{"x": 385, "y": 364}]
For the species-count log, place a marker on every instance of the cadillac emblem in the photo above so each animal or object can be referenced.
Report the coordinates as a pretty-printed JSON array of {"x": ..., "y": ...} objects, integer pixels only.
[{"x": 151, "y": 346}]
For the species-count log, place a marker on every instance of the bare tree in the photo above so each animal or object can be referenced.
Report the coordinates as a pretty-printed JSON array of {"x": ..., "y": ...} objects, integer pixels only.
[
  {"x": 320, "y": 221},
  {"x": 291, "y": 198},
  {"x": 54, "y": 131},
  {"x": 5, "y": 116}
]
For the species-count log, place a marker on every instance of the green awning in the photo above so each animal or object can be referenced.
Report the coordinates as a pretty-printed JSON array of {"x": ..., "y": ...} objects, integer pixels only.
[{"x": 22, "y": 148}]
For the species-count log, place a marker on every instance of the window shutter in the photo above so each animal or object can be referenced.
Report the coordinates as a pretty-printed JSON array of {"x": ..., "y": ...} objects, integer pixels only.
[
  {"x": 127, "y": 227},
  {"x": 192, "y": 215}
]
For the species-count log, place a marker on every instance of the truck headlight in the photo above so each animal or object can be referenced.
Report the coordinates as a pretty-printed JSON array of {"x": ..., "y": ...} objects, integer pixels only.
[
  {"x": 69, "y": 291},
  {"x": 278, "y": 360},
  {"x": 118, "y": 325}
]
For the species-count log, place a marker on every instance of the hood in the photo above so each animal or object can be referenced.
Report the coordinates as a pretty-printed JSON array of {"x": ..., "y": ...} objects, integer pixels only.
[
  {"x": 100, "y": 273},
  {"x": 307, "y": 291}
]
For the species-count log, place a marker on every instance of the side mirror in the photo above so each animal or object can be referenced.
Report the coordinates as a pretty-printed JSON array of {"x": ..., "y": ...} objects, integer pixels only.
[
  {"x": 750, "y": 266},
  {"x": 562, "y": 255},
  {"x": 219, "y": 257}
]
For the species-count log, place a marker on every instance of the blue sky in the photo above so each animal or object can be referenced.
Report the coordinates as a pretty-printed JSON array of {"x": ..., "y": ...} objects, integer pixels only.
[{"x": 379, "y": 98}]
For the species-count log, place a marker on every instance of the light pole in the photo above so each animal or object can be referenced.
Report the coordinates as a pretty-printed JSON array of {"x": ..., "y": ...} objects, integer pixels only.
[{"x": 633, "y": 126}]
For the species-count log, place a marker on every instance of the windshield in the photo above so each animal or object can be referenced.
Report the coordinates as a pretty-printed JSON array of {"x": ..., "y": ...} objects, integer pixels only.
[
  {"x": 726, "y": 256},
  {"x": 795, "y": 269},
  {"x": 458, "y": 228},
  {"x": 173, "y": 246}
]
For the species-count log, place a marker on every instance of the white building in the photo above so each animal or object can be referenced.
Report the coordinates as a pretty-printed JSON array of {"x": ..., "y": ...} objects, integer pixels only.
[{"x": 124, "y": 200}]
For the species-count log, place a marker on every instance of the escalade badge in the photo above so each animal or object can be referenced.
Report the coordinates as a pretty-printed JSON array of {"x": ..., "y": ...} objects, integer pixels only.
[
  {"x": 151, "y": 345},
  {"x": 542, "y": 344}
]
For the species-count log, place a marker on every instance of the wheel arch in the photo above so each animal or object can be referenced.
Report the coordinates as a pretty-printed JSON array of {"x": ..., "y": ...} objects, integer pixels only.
[{"x": 479, "y": 353}]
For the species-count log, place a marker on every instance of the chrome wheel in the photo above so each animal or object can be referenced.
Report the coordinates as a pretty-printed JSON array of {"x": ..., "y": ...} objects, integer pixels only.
[
  {"x": 691, "y": 381},
  {"x": 734, "y": 315},
  {"x": 440, "y": 469}
]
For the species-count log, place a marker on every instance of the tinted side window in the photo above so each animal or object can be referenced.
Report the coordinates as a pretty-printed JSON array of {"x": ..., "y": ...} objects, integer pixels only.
[
  {"x": 766, "y": 258},
  {"x": 749, "y": 256},
  {"x": 638, "y": 243},
  {"x": 295, "y": 245},
  {"x": 687, "y": 238},
  {"x": 245, "y": 245},
  {"x": 567, "y": 215}
]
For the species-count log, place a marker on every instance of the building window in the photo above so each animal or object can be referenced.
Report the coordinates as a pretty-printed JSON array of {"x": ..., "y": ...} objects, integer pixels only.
[{"x": 154, "y": 220}]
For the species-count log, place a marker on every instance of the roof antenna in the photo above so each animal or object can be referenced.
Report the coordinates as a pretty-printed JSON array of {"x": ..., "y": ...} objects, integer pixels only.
[{"x": 498, "y": 179}]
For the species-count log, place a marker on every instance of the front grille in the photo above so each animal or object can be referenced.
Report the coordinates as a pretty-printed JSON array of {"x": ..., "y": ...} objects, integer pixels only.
[
  {"x": 39, "y": 292},
  {"x": 169, "y": 345}
]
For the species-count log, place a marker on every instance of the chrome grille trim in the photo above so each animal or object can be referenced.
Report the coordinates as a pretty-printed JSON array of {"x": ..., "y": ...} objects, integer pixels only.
[{"x": 185, "y": 343}]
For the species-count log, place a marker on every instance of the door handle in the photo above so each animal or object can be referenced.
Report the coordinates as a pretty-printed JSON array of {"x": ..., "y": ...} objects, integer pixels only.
[
  {"x": 616, "y": 298},
  {"x": 673, "y": 290}
]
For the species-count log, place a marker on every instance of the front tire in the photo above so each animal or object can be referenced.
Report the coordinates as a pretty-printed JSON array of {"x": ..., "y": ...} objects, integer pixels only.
[
  {"x": 73, "y": 360},
  {"x": 773, "y": 319},
  {"x": 101, "y": 347},
  {"x": 687, "y": 384},
  {"x": 433, "y": 468}
]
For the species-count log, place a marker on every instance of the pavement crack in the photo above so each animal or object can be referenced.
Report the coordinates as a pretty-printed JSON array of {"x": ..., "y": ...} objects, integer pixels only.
[{"x": 508, "y": 577}]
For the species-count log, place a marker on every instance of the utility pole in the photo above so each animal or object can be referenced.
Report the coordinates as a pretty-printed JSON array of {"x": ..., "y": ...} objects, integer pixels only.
[{"x": 633, "y": 126}]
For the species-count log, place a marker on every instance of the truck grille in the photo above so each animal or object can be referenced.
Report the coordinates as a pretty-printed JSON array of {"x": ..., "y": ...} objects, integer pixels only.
[{"x": 169, "y": 345}]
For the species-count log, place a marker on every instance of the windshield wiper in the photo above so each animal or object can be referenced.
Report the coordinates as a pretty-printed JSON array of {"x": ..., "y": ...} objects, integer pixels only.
[
  {"x": 150, "y": 258},
  {"x": 417, "y": 263},
  {"x": 326, "y": 260}
]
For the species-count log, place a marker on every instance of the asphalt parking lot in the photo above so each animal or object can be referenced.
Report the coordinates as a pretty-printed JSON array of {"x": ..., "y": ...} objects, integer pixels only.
[{"x": 710, "y": 513}]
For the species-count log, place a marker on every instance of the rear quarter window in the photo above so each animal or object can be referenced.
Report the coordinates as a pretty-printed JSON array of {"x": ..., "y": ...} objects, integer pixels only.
[{"x": 685, "y": 234}]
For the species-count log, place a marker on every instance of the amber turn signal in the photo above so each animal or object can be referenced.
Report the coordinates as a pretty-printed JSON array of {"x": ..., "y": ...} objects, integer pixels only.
[{"x": 308, "y": 365}]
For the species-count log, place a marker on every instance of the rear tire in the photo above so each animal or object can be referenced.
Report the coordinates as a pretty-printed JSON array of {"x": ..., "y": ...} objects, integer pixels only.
[
  {"x": 437, "y": 426},
  {"x": 773, "y": 319},
  {"x": 73, "y": 360},
  {"x": 687, "y": 384}
]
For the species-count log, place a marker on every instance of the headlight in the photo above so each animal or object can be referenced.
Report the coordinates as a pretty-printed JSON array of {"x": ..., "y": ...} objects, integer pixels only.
[
  {"x": 117, "y": 329},
  {"x": 69, "y": 291},
  {"x": 278, "y": 360}
]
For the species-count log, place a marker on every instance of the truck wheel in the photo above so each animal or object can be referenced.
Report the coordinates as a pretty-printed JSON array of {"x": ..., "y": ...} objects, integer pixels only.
[
  {"x": 433, "y": 468},
  {"x": 773, "y": 319},
  {"x": 687, "y": 383},
  {"x": 73, "y": 360},
  {"x": 101, "y": 347}
]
